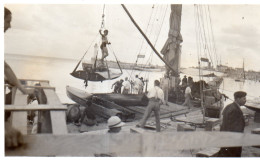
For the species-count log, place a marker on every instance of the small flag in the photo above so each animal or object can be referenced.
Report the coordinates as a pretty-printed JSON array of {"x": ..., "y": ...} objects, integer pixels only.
[{"x": 140, "y": 56}]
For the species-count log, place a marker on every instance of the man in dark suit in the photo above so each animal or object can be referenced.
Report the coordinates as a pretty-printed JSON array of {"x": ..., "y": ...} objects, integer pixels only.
[{"x": 233, "y": 121}]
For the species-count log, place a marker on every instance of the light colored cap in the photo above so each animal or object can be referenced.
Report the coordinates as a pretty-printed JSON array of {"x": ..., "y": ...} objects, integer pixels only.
[{"x": 115, "y": 121}]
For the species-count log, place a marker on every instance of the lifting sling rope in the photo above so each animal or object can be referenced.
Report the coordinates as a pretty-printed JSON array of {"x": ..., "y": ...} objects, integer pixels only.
[
  {"x": 84, "y": 55},
  {"x": 102, "y": 27}
]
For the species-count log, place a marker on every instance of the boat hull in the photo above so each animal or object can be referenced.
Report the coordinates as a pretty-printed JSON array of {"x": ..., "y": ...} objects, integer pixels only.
[
  {"x": 125, "y": 99},
  {"x": 85, "y": 99},
  {"x": 95, "y": 76}
]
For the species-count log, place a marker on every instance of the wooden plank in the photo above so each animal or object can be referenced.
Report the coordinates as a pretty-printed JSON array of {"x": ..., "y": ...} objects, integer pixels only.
[
  {"x": 38, "y": 87},
  {"x": 14, "y": 89},
  {"x": 113, "y": 105},
  {"x": 34, "y": 107},
  {"x": 104, "y": 112},
  {"x": 58, "y": 118},
  {"x": 38, "y": 80},
  {"x": 147, "y": 144},
  {"x": 79, "y": 145},
  {"x": 19, "y": 118}
]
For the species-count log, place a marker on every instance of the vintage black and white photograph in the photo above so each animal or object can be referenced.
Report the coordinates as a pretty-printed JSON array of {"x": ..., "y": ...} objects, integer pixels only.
[{"x": 131, "y": 79}]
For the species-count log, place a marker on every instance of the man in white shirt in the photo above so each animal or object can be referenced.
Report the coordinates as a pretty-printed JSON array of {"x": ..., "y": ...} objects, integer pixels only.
[
  {"x": 188, "y": 97},
  {"x": 156, "y": 98},
  {"x": 165, "y": 87},
  {"x": 136, "y": 85},
  {"x": 126, "y": 86}
]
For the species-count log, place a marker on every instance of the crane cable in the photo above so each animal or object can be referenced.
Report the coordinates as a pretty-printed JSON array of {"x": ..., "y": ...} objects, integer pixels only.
[{"x": 103, "y": 18}]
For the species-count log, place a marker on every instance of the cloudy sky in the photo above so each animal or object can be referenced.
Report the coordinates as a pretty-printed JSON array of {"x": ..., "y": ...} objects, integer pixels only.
[{"x": 67, "y": 31}]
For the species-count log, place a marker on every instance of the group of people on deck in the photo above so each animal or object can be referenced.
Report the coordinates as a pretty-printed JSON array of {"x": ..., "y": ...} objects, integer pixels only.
[{"x": 127, "y": 87}]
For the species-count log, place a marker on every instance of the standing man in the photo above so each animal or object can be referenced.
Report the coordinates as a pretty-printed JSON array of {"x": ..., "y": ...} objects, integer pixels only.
[
  {"x": 188, "y": 97},
  {"x": 233, "y": 121},
  {"x": 184, "y": 81},
  {"x": 126, "y": 86},
  {"x": 141, "y": 86},
  {"x": 136, "y": 85},
  {"x": 165, "y": 87},
  {"x": 103, "y": 45},
  {"x": 156, "y": 98}
]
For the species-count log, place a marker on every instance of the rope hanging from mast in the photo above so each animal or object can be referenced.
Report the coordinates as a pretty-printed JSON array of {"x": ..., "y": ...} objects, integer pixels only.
[
  {"x": 148, "y": 41},
  {"x": 84, "y": 54}
]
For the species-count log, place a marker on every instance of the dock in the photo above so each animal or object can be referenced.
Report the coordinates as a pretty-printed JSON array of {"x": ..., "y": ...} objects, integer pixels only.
[{"x": 53, "y": 139}]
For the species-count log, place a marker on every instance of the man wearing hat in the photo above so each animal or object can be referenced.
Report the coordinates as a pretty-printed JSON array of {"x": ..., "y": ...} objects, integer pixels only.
[
  {"x": 114, "y": 124},
  {"x": 233, "y": 121}
]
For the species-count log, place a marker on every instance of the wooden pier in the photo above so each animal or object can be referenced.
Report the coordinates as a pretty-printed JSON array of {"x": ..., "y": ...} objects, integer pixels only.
[{"x": 53, "y": 139}]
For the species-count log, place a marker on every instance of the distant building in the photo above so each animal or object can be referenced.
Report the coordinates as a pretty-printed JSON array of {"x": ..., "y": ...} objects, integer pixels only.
[
  {"x": 222, "y": 68},
  {"x": 239, "y": 70}
]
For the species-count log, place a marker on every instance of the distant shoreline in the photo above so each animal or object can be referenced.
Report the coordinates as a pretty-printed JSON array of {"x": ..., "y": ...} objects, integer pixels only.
[{"x": 112, "y": 64}]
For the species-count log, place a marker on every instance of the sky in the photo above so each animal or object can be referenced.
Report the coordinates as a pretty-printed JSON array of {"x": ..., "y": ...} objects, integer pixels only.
[{"x": 68, "y": 30}]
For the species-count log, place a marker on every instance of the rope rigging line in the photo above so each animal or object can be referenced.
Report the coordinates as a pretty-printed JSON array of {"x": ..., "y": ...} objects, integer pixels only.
[
  {"x": 152, "y": 27},
  {"x": 208, "y": 32},
  {"x": 146, "y": 30},
  {"x": 158, "y": 34},
  {"x": 158, "y": 11},
  {"x": 110, "y": 47},
  {"x": 201, "y": 38},
  {"x": 211, "y": 36},
  {"x": 199, "y": 35},
  {"x": 84, "y": 54},
  {"x": 214, "y": 44},
  {"x": 148, "y": 41},
  {"x": 204, "y": 33},
  {"x": 196, "y": 31},
  {"x": 103, "y": 18},
  {"x": 157, "y": 37},
  {"x": 139, "y": 52},
  {"x": 205, "y": 47}
]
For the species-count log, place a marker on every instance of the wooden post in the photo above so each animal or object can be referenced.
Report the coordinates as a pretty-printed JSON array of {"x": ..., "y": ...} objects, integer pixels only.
[
  {"x": 19, "y": 118},
  {"x": 44, "y": 121},
  {"x": 58, "y": 118}
]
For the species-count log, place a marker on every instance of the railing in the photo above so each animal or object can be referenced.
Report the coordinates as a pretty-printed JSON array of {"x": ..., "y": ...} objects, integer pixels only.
[{"x": 51, "y": 117}]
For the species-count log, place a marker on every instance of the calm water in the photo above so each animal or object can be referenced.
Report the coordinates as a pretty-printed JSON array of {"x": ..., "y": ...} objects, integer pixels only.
[{"x": 57, "y": 72}]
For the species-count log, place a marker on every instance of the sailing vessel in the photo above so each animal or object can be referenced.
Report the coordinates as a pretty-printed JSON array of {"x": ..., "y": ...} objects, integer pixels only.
[
  {"x": 206, "y": 93},
  {"x": 209, "y": 97},
  {"x": 242, "y": 75}
]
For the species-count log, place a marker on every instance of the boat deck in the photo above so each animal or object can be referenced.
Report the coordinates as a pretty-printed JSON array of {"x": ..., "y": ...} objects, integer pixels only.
[{"x": 165, "y": 110}]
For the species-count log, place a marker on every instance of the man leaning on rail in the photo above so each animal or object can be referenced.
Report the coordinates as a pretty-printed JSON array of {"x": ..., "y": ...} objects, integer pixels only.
[{"x": 13, "y": 138}]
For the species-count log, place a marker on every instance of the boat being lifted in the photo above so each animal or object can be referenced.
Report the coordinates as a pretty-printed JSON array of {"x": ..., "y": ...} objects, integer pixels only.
[{"x": 97, "y": 69}]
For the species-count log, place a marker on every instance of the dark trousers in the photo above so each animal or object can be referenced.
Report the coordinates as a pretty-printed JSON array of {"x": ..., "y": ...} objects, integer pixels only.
[
  {"x": 230, "y": 152},
  {"x": 153, "y": 105}
]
